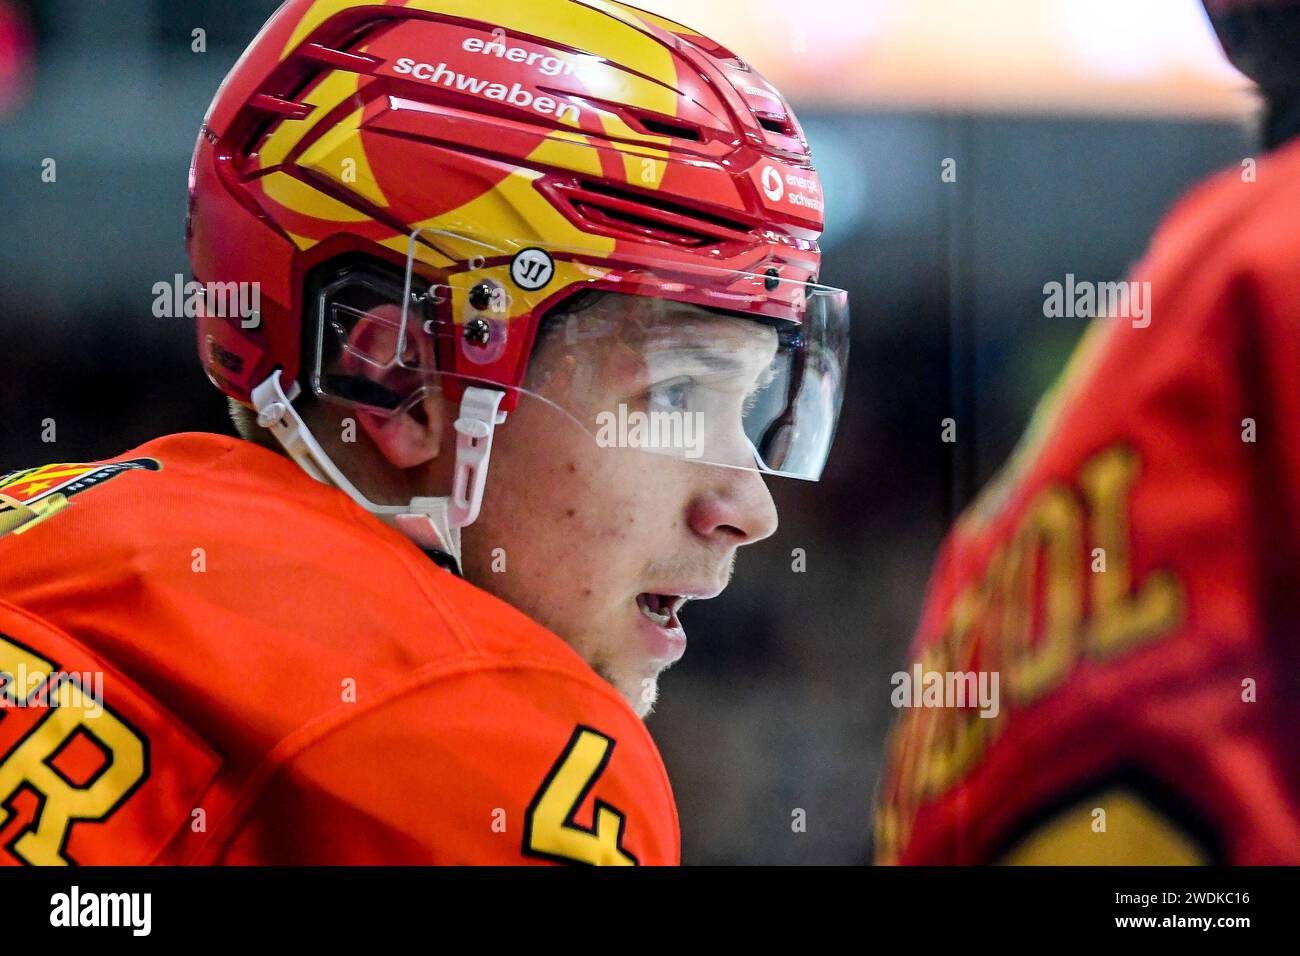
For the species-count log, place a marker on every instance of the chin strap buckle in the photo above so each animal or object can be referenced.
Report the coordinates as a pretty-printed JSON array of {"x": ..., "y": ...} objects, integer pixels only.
[{"x": 479, "y": 416}]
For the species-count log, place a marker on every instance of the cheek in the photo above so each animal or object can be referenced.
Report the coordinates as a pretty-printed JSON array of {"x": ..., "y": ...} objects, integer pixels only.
[
  {"x": 567, "y": 510},
  {"x": 552, "y": 507},
  {"x": 622, "y": 505},
  {"x": 586, "y": 525},
  {"x": 553, "y": 478}
]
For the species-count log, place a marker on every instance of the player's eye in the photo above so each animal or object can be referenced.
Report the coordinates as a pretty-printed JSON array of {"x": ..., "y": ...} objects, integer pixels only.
[{"x": 673, "y": 395}]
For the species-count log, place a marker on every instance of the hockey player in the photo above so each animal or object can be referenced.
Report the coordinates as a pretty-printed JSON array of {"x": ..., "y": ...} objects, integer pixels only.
[
  {"x": 533, "y": 308},
  {"x": 1133, "y": 574}
]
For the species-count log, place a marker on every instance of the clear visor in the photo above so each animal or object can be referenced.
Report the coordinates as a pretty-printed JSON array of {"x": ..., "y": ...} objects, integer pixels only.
[{"x": 716, "y": 366}]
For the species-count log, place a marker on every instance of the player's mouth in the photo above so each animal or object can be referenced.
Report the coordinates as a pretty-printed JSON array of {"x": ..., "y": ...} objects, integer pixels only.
[{"x": 665, "y": 636}]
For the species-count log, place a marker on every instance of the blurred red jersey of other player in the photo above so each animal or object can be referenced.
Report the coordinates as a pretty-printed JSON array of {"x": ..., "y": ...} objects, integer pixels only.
[
  {"x": 16, "y": 58},
  {"x": 524, "y": 296},
  {"x": 1133, "y": 577}
]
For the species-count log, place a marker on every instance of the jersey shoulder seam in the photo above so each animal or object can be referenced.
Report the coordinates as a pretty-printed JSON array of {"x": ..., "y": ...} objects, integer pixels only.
[{"x": 339, "y": 719}]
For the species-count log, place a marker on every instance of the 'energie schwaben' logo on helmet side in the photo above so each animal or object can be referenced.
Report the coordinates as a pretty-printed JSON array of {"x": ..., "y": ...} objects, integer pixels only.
[
  {"x": 547, "y": 63},
  {"x": 790, "y": 188},
  {"x": 515, "y": 95}
]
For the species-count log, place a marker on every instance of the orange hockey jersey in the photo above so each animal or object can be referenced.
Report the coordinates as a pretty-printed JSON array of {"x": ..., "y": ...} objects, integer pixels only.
[
  {"x": 209, "y": 657},
  {"x": 1133, "y": 578}
]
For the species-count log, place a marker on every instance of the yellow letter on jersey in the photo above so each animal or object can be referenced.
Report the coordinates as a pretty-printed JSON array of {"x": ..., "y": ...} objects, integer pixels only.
[{"x": 28, "y": 765}]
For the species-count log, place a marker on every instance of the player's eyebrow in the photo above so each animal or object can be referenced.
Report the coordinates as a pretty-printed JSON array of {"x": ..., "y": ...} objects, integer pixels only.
[
  {"x": 710, "y": 359},
  {"x": 712, "y": 363},
  {"x": 720, "y": 351}
]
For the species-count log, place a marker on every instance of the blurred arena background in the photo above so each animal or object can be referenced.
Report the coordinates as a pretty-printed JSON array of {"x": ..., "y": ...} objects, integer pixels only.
[{"x": 1074, "y": 125}]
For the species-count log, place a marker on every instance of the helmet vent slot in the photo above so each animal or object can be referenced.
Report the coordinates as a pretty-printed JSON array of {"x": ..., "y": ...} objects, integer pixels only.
[
  {"x": 624, "y": 213},
  {"x": 775, "y": 124},
  {"x": 643, "y": 227},
  {"x": 660, "y": 128}
]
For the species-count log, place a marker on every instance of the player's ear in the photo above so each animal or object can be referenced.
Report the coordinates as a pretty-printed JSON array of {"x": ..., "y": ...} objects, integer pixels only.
[
  {"x": 415, "y": 435},
  {"x": 409, "y": 438}
]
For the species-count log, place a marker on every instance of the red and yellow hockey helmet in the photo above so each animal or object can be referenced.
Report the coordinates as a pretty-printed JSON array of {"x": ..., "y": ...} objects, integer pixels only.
[{"x": 505, "y": 157}]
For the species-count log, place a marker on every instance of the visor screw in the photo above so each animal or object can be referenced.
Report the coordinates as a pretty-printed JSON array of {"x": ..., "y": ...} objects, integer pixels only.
[
  {"x": 480, "y": 297},
  {"x": 477, "y": 332},
  {"x": 772, "y": 281},
  {"x": 270, "y": 415}
]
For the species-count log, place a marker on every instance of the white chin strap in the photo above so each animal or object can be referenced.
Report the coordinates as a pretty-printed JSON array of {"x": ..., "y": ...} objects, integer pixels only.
[{"x": 432, "y": 523}]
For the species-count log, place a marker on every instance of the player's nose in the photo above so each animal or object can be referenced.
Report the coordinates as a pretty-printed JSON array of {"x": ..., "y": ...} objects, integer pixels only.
[{"x": 735, "y": 508}]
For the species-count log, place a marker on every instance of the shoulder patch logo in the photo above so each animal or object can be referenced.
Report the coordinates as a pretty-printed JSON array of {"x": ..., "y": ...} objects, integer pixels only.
[{"x": 29, "y": 496}]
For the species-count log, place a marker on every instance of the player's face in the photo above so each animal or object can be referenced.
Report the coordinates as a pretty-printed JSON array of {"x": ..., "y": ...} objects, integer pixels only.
[{"x": 602, "y": 543}]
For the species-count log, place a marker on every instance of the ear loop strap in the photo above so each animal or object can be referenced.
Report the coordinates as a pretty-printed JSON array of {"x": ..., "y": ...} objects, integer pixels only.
[{"x": 432, "y": 523}]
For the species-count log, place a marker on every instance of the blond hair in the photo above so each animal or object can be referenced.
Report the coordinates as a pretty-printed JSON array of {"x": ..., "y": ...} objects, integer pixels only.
[{"x": 245, "y": 420}]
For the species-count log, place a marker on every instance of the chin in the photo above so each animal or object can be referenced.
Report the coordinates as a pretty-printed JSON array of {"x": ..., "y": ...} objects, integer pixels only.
[
  {"x": 633, "y": 675},
  {"x": 640, "y": 692},
  {"x": 646, "y": 696}
]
